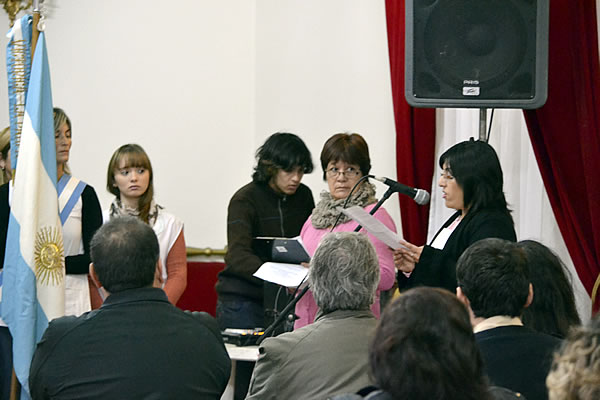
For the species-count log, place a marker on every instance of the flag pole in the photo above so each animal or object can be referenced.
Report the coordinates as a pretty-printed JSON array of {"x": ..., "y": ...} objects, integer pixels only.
[{"x": 35, "y": 33}]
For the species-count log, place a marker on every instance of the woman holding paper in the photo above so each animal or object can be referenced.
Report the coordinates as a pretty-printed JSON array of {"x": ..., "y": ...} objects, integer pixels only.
[
  {"x": 129, "y": 178},
  {"x": 471, "y": 182},
  {"x": 345, "y": 160}
]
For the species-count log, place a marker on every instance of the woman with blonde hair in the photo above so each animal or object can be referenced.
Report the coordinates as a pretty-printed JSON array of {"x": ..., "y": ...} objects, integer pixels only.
[
  {"x": 80, "y": 215},
  {"x": 130, "y": 179},
  {"x": 5, "y": 156},
  {"x": 575, "y": 372}
]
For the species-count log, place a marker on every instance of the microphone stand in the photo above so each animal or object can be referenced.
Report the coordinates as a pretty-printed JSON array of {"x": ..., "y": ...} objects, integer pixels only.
[
  {"x": 284, "y": 313},
  {"x": 386, "y": 196}
]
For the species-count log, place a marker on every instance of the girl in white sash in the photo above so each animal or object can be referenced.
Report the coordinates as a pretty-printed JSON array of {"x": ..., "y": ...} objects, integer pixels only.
[
  {"x": 80, "y": 215},
  {"x": 130, "y": 178}
]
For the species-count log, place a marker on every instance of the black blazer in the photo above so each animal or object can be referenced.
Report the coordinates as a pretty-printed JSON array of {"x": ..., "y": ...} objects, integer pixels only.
[
  {"x": 437, "y": 268},
  {"x": 136, "y": 346},
  {"x": 518, "y": 358}
]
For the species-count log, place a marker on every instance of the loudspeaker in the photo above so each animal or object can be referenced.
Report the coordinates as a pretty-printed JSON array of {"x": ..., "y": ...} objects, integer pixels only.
[{"x": 476, "y": 53}]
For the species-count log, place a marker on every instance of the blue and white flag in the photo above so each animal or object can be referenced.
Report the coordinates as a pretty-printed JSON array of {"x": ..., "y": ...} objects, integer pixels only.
[
  {"x": 34, "y": 266},
  {"x": 18, "y": 68}
]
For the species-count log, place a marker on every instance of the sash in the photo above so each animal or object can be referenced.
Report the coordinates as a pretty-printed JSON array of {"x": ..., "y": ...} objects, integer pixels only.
[{"x": 69, "y": 190}]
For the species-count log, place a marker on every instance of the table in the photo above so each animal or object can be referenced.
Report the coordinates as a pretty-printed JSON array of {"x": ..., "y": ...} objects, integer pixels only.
[{"x": 237, "y": 353}]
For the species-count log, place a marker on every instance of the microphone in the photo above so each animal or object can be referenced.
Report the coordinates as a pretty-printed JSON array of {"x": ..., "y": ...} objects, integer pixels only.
[{"x": 420, "y": 196}]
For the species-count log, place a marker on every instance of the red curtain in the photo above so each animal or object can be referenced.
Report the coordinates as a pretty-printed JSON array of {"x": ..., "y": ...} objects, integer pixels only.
[
  {"x": 565, "y": 133},
  {"x": 415, "y": 132}
]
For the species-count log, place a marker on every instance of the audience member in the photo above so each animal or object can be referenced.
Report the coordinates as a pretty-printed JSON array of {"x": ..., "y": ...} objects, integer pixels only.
[
  {"x": 493, "y": 281},
  {"x": 329, "y": 356},
  {"x": 575, "y": 371},
  {"x": 131, "y": 179},
  {"x": 137, "y": 344},
  {"x": 274, "y": 204},
  {"x": 553, "y": 309},
  {"x": 424, "y": 348},
  {"x": 346, "y": 163},
  {"x": 471, "y": 182}
]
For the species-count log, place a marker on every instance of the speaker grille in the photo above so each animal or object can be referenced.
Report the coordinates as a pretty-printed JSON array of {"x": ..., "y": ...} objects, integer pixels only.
[{"x": 474, "y": 51}]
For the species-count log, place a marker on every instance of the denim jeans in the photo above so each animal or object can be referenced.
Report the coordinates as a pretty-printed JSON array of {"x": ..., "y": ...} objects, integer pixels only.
[{"x": 242, "y": 314}]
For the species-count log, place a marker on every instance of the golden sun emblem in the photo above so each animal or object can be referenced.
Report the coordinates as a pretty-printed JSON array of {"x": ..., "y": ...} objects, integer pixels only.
[{"x": 49, "y": 256}]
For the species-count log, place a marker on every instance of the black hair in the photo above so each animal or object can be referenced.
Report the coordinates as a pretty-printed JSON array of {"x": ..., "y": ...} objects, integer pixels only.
[
  {"x": 281, "y": 151},
  {"x": 125, "y": 252},
  {"x": 476, "y": 167},
  {"x": 492, "y": 273},
  {"x": 553, "y": 310}
]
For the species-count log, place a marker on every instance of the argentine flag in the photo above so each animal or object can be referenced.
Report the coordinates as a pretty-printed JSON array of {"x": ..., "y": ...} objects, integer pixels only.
[{"x": 33, "y": 290}]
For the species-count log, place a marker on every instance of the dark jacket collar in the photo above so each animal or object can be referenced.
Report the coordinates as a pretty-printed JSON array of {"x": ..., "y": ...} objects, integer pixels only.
[
  {"x": 132, "y": 295},
  {"x": 268, "y": 189}
]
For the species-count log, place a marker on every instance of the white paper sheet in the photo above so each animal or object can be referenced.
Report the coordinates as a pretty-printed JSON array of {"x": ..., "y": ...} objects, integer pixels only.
[
  {"x": 374, "y": 226},
  {"x": 289, "y": 275}
]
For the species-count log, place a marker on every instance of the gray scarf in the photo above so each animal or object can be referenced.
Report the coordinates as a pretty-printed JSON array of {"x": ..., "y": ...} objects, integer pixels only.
[
  {"x": 325, "y": 213},
  {"x": 118, "y": 209}
]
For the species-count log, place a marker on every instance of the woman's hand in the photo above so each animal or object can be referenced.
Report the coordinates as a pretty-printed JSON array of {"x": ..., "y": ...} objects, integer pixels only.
[
  {"x": 406, "y": 257},
  {"x": 294, "y": 289},
  {"x": 403, "y": 263},
  {"x": 411, "y": 251}
]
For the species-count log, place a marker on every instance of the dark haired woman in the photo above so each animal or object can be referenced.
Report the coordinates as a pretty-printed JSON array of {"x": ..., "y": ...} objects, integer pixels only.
[
  {"x": 130, "y": 179},
  {"x": 345, "y": 160},
  {"x": 276, "y": 204},
  {"x": 424, "y": 348},
  {"x": 553, "y": 309},
  {"x": 471, "y": 183}
]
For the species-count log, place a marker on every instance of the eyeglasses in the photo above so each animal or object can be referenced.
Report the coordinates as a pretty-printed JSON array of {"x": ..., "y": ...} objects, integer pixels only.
[
  {"x": 349, "y": 172},
  {"x": 447, "y": 175}
]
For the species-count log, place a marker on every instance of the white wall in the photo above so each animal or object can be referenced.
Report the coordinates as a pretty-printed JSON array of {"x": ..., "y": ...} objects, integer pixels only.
[
  {"x": 322, "y": 68},
  {"x": 202, "y": 83}
]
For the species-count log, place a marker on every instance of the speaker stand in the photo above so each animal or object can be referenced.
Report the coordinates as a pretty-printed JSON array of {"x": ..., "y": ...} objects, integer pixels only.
[{"x": 482, "y": 124}]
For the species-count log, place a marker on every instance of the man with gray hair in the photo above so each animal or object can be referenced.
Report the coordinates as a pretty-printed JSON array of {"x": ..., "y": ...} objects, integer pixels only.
[{"x": 329, "y": 356}]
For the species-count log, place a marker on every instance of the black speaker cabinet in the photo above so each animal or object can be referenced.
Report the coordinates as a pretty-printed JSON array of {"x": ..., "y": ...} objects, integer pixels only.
[{"x": 477, "y": 53}]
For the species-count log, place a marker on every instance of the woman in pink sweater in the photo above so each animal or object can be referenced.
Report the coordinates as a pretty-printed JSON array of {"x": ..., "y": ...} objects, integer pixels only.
[{"x": 345, "y": 160}]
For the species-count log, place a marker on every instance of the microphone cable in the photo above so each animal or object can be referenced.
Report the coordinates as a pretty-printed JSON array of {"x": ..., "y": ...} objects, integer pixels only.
[{"x": 348, "y": 199}]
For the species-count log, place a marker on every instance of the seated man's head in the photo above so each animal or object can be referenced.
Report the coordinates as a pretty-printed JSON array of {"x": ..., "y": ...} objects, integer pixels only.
[
  {"x": 124, "y": 254},
  {"x": 424, "y": 348},
  {"x": 344, "y": 272},
  {"x": 493, "y": 279}
]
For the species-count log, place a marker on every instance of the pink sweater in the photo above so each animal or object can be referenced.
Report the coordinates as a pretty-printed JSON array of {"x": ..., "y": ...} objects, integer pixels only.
[{"x": 306, "y": 308}]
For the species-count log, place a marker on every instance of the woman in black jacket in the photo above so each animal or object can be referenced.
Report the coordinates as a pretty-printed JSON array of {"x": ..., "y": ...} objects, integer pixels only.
[{"x": 471, "y": 183}]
